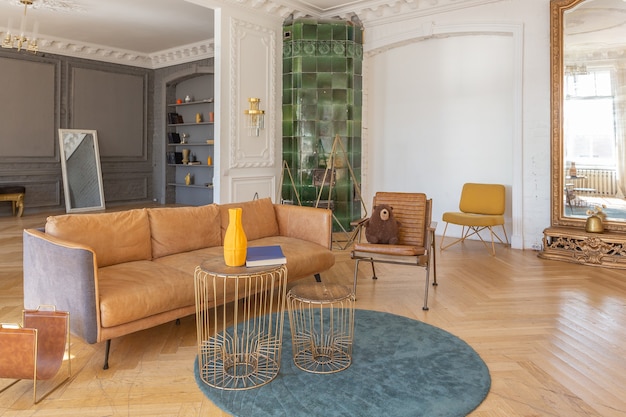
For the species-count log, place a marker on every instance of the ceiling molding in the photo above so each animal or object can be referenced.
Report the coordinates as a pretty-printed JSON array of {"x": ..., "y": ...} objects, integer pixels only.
[
  {"x": 367, "y": 11},
  {"x": 168, "y": 57}
]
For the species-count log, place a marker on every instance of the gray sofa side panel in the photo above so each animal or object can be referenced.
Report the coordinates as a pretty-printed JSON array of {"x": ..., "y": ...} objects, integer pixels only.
[{"x": 62, "y": 276}]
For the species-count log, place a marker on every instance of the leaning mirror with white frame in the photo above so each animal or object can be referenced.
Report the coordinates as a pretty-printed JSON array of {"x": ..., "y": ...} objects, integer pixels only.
[{"x": 82, "y": 175}]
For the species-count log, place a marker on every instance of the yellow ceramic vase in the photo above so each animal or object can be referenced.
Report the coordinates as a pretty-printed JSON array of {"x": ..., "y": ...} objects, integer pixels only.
[{"x": 235, "y": 241}]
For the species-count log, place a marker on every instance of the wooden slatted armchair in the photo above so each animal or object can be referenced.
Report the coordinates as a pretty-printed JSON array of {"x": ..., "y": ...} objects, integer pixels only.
[
  {"x": 35, "y": 350},
  {"x": 416, "y": 237}
]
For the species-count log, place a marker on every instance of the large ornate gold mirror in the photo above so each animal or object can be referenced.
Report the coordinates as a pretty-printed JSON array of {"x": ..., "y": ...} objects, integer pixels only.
[{"x": 588, "y": 79}]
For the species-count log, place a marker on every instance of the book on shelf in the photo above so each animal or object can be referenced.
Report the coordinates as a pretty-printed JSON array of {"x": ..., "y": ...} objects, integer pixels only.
[
  {"x": 265, "y": 255},
  {"x": 174, "y": 137},
  {"x": 172, "y": 118}
]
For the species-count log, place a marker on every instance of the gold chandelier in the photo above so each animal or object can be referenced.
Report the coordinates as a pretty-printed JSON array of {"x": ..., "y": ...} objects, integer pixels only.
[{"x": 20, "y": 41}]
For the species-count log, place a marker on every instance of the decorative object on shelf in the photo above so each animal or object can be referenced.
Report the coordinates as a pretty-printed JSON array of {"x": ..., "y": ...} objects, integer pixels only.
[
  {"x": 186, "y": 156},
  {"x": 188, "y": 99},
  {"x": 188, "y": 179},
  {"x": 595, "y": 221},
  {"x": 185, "y": 137},
  {"x": 20, "y": 41},
  {"x": 198, "y": 117},
  {"x": 179, "y": 101},
  {"x": 211, "y": 117},
  {"x": 173, "y": 137},
  {"x": 255, "y": 120},
  {"x": 235, "y": 241},
  {"x": 192, "y": 157},
  {"x": 209, "y": 161}
]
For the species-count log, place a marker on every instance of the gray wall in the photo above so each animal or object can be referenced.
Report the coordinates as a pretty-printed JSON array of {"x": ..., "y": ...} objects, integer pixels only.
[{"x": 44, "y": 92}]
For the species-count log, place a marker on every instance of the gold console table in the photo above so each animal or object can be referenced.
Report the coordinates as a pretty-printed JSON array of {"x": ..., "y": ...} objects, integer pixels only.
[{"x": 606, "y": 249}]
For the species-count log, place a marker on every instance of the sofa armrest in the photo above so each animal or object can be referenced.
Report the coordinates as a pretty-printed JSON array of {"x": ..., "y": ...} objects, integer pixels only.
[
  {"x": 306, "y": 223},
  {"x": 63, "y": 274}
]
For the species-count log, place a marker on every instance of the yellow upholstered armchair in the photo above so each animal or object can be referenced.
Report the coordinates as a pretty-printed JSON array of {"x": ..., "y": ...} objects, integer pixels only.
[
  {"x": 416, "y": 237},
  {"x": 481, "y": 207},
  {"x": 36, "y": 349}
]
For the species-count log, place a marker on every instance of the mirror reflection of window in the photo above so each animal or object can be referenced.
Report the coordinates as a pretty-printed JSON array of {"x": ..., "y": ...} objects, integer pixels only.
[{"x": 589, "y": 122}]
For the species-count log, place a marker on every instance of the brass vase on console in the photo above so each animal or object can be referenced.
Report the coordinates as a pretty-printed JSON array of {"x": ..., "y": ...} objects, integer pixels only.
[
  {"x": 595, "y": 221},
  {"x": 594, "y": 224}
]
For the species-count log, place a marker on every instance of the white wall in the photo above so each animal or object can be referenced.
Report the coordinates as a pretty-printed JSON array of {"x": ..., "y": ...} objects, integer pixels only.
[
  {"x": 461, "y": 97},
  {"x": 248, "y": 63}
]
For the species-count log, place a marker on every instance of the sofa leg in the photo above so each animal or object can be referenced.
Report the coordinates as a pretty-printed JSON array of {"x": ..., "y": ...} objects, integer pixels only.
[
  {"x": 318, "y": 278},
  {"x": 107, "y": 348},
  {"x": 178, "y": 322}
]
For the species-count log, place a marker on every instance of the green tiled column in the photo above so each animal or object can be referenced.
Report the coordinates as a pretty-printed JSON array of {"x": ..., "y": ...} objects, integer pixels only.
[{"x": 322, "y": 98}]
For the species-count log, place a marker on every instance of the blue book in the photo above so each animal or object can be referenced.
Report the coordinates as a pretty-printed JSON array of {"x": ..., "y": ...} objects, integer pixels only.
[{"x": 265, "y": 255}]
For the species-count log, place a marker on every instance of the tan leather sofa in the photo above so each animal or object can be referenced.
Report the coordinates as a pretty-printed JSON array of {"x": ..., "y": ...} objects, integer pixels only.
[{"x": 121, "y": 272}]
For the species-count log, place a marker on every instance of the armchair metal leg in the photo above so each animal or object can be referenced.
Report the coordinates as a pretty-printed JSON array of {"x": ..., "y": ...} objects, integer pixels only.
[{"x": 318, "y": 278}]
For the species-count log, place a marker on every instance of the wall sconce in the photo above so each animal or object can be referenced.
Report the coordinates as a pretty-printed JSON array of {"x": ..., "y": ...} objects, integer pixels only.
[{"x": 255, "y": 117}]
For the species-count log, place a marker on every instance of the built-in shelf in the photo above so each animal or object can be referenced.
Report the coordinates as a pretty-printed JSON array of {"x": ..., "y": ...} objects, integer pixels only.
[
  {"x": 196, "y": 135},
  {"x": 190, "y": 144},
  {"x": 191, "y": 103},
  {"x": 190, "y": 185},
  {"x": 191, "y": 165},
  {"x": 189, "y": 124}
]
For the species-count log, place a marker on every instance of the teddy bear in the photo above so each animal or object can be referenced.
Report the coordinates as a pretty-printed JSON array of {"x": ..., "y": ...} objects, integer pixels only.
[{"x": 382, "y": 227}]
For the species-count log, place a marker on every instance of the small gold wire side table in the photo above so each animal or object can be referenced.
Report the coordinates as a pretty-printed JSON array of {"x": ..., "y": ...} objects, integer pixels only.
[
  {"x": 321, "y": 317},
  {"x": 239, "y": 319}
]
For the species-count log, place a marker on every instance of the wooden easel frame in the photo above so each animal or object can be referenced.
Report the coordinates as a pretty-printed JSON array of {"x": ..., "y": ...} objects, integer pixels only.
[{"x": 329, "y": 178}]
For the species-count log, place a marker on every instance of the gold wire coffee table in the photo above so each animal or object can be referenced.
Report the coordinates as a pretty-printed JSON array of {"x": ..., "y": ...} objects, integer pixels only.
[
  {"x": 321, "y": 317},
  {"x": 239, "y": 320}
]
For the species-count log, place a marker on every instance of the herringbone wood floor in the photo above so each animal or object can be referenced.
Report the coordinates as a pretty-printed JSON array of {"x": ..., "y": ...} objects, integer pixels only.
[{"x": 553, "y": 335}]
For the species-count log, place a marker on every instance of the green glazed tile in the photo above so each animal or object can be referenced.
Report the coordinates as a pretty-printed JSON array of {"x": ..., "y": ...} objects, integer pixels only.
[
  {"x": 340, "y": 31},
  {"x": 309, "y": 80},
  {"x": 340, "y": 128},
  {"x": 309, "y": 64},
  {"x": 340, "y": 112},
  {"x": 287, "y": 128},
  {"x": 287, "y": 113},
  {"x": 287, "y": 65},
  {"x": 340, "y": 80},
  {"x": 309, "y": 31},
  {"x": 324, "y": 79},
  {"x": 307, "y": 96},
  {"x": 287, "y": 81},
  {"x": 324, "y": 32},
  {"x": 324, "y": 64},
  {"x": 309, "y": 112},
  {"x": 340, "y": 95},
  {"x": 324, "y": 113},
  {"x": 339, "y": 65},
  {"x": 297, "y": 31},
  {"x": 324, "y": 97}
]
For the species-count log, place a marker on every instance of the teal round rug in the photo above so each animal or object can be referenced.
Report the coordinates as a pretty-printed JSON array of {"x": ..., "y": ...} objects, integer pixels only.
[{"x": 400, "y": 367}]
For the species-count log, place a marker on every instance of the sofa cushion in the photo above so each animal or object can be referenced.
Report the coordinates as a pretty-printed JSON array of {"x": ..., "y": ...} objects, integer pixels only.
[
  {"x": 182, "y": 229},
  {"x": 188, "y": 261},
  {"x": 257, "y": 217},
  {"x": 115, "y": 237},
  {"x": 136, "y": 290}
]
